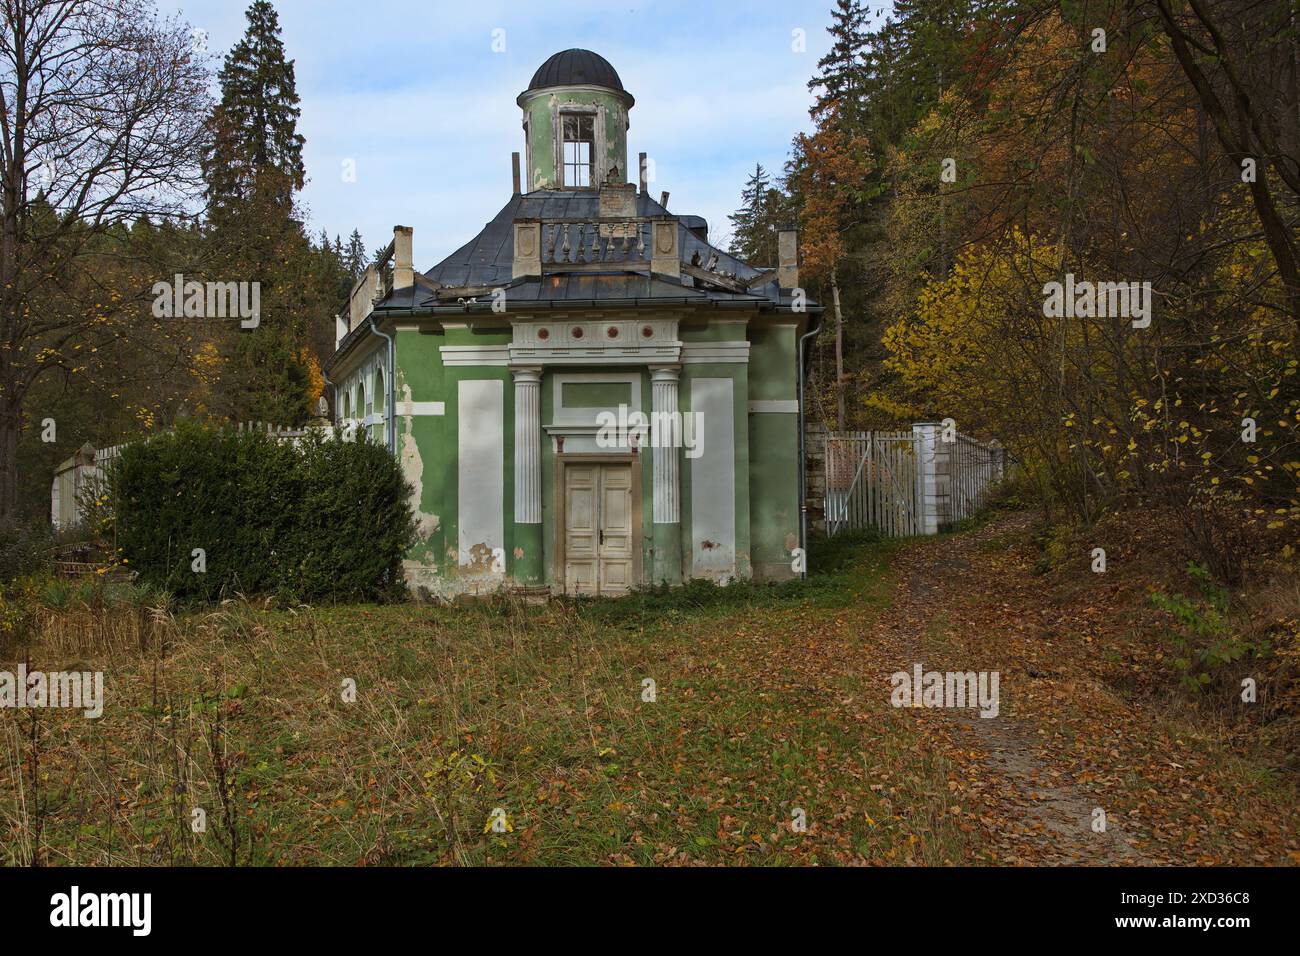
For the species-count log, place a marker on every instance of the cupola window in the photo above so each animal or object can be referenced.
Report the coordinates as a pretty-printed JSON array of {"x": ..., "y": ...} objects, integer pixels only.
[{"x": 579, "y": 130}]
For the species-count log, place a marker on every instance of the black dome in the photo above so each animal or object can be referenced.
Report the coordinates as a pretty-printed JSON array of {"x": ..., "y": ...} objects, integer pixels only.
[{"x": 576, "y": 68}]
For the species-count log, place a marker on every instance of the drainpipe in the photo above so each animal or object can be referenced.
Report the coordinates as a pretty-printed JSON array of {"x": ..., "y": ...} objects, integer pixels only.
[
  {"x": 803, "y": 456},
  {"x": 390, "y": 432}
]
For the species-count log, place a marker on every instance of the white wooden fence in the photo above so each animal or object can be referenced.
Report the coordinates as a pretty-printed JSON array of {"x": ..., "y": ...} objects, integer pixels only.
[
  {"x": 871, "y": 482},
  {"x": 905, "y": 483},
  {"x": 76, "y": 481}
]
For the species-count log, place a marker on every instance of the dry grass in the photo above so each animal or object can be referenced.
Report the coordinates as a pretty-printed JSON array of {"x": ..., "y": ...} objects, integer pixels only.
[{"x": 759, "y": 710}]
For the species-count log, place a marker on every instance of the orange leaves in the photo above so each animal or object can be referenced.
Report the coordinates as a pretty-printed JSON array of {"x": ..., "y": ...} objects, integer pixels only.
[{"x": 832, "y": 178}]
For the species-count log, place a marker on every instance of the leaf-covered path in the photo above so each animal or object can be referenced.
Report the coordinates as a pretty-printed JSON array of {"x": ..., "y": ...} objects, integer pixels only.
[{"x": 1073, "y": 739}]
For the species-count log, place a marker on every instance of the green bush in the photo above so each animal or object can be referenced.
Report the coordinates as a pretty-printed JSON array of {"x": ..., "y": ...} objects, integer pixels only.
[
  {"x": 24, "y": 549},
  {"x": 319, "y": 520},
  {"x": 1204, "y": 642}
]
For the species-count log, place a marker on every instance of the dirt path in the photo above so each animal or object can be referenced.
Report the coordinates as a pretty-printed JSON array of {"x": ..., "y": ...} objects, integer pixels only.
[{"x": 1065, "y": 748}]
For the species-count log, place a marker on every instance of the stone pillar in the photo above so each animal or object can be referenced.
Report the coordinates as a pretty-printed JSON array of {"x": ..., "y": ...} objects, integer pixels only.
[
  {"x": 667, "y": 490},
  {"x": 925, "y": 446},
  {"x": 527, "y": 557}
]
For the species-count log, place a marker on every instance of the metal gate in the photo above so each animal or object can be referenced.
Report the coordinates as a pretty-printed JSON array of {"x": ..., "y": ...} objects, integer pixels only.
[{"x": 974, "y": 466}]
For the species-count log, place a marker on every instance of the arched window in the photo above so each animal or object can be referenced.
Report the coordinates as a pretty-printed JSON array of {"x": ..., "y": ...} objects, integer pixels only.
[{"x": 377, "y": 430}]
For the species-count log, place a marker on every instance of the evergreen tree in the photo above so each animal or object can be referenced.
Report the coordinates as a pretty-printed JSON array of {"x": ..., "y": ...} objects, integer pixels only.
[
  {"x": 922, "y": 50},
  {"x": 254, "y": 170},
  {"x": 754, "y": 224},
  {"x": 257, "y": 149},
  {"x": 840, "y": 75},
  {"x": 355, "y": 258}
]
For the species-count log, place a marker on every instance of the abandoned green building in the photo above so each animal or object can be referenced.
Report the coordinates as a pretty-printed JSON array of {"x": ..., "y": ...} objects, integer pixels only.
[{"x": 587, "y": 396}]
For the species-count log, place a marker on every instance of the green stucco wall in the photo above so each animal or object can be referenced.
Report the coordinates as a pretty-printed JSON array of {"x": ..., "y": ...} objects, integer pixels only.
[
  {"x": 774, "y": 445},
  {"x": 764, "y": 456},
  {"x": 540, "y": 110}
]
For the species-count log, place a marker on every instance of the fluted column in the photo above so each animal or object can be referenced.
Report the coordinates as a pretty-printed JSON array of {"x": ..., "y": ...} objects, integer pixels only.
[
  {"x": 667, "y": 475},
  {"x": 667, "y": 484},
  {"x": 527, "y": 552}
]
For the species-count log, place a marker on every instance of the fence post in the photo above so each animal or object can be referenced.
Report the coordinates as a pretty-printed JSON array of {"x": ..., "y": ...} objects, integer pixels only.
[{"x": 925, "y": 448}]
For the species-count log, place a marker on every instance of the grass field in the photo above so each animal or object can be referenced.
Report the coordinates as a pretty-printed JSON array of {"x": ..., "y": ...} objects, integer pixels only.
[
  {"x": 539, "y": 718},
  {"x": 498, "y": 733}
]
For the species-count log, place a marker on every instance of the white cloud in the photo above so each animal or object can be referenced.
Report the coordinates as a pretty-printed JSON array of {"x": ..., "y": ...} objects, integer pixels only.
[{"x": 414, "y": 94}]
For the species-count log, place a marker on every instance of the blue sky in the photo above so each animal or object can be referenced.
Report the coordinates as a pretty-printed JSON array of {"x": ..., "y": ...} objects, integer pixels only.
[{"x": 414, "y": 94}]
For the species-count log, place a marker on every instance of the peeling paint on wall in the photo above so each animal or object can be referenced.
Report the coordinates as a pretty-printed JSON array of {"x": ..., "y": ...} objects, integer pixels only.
[{"x": 413, "y": 467}]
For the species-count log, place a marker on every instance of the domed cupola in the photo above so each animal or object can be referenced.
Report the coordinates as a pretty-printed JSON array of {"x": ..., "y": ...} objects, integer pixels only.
[{"x": 575, "y": 123}]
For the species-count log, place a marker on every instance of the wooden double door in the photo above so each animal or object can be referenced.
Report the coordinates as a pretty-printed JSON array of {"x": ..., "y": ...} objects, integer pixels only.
[{"x": 600, "y": 523}]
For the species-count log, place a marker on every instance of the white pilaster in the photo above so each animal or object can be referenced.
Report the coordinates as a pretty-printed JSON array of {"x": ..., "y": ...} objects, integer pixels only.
[
  {"x": 667, "y": 483},
  {"x": 528, "y": 445},
  {"x": 925, "y": 447}
]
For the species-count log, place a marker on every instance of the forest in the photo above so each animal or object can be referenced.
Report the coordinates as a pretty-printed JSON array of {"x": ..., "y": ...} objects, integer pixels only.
[
  {"x": 973, "y": 163},
  {"x": 118, "y": 168}
]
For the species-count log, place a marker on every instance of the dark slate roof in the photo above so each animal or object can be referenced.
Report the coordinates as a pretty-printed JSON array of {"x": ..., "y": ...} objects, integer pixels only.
[
  {"x": 486, "y": 262},
  {"x": 576, "y": 68}
]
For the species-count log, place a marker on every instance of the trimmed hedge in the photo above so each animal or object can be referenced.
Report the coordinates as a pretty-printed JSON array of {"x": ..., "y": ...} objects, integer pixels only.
[{"x": 317, "y": 520}]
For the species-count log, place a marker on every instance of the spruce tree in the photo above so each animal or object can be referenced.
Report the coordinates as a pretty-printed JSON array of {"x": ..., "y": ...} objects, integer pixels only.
[
  {"x": 841, "y": 72},
  {"x": 257, "y": 149},
  {"x": 254, "y": 170},
  {"x": 355, "y": 257},
  {"x": 752, "y": 226}
]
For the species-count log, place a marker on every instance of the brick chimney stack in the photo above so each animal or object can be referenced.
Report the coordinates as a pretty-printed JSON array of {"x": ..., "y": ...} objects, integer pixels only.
[
  {"x": 787, "y": 254},
  {"x": 403, "y": 261}
]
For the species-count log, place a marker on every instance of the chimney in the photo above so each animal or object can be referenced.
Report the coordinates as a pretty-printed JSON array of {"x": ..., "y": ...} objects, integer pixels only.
[
  {"x": 514, "y": 168},
  {"x": 663, "y": 200},
  {"x": 403, "y": 257},
  {"x": 787, "y": 255},
  {"x": 340, "y": 330},
  {"x": 645, "y": 185}
]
